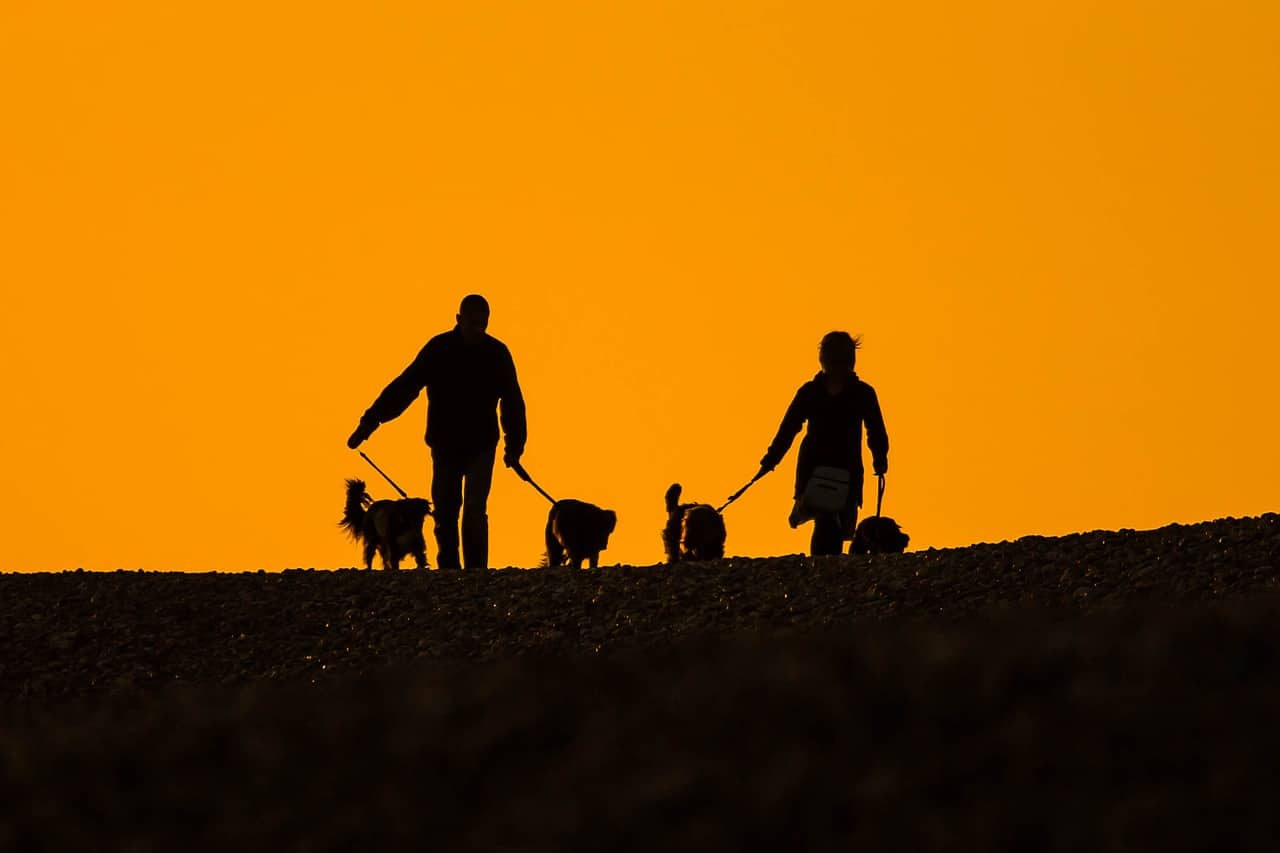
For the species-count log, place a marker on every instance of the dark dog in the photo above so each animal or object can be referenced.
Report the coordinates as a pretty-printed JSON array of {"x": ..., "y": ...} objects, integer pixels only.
[
  {"x": 577, "y": 531},
  {"x": 878, "y": 534},
  {"x": 392, "y": 529},
  {"x": 693, "y": 531}
]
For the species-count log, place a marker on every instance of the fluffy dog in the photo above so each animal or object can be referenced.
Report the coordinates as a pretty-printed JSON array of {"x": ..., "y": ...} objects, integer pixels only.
[
  {"x": 392, "y": 529},
  {"x": 878, "y": 534},
  {"x": 577, "y": 531},
  {"x": 693, "y": 531}
]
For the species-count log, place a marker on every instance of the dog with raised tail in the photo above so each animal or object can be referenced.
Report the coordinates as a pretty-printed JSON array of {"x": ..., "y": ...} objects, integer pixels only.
[
  {"x": 694, "y": 531},
  {"x": 390, "y": 528}
]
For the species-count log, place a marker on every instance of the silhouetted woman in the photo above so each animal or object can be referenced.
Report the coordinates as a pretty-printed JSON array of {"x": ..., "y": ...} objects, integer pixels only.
[{"x": 835, "y": 404}]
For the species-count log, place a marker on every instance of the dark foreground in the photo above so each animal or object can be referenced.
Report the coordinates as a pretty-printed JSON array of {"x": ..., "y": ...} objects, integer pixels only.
[{"x": 1104, "y": 691}]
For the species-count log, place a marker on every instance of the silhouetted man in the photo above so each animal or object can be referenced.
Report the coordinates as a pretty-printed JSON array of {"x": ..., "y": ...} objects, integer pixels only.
[{"x": 468, "y": 374}]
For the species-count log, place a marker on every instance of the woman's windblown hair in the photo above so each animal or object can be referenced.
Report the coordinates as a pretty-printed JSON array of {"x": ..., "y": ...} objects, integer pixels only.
[{"x": 839, "y": 348}]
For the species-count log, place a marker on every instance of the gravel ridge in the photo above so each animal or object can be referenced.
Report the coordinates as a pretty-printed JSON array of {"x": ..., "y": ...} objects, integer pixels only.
[
  {"x": 70, "y": 633},
  {"x": 1111, "y": 690}
]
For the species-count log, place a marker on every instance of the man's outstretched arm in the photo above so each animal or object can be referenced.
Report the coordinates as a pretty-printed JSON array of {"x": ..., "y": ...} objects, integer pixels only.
[{"x": 393, "y": 400}]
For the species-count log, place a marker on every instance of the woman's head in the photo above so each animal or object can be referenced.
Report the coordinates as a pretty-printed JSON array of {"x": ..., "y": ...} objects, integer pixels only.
[{"x": 838, "y": 351}]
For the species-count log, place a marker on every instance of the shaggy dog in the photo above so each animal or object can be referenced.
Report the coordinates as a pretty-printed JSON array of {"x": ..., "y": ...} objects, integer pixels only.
[
  {"x": 693, "y": 531},
  {"x": 577, "y": 531},
  {"x": 393, "y": 529},
  {"x": 878, "y": 534}
]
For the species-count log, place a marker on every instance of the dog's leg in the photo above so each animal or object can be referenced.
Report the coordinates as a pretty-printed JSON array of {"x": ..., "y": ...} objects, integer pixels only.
[
  {"x": 555, "y": 551},
  {"x": 671, "y": 539},
  {"x": 370, "y": 548},
  {"x": 594, "y": 560}
]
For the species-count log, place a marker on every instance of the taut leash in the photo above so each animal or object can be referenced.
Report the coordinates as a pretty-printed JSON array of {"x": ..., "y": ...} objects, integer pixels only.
[
  {"x": 733, "y": 497},
  {"x": 384, "y": 476},
  {"x": 524, "y": 475},
  {"x": 879, "y": 493}
]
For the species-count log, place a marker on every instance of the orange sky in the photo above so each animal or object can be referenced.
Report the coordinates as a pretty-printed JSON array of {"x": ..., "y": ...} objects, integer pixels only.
[{"x": 224, "y": 229}]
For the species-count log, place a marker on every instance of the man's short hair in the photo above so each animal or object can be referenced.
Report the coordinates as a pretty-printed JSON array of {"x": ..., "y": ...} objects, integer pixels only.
[{"x": 473, "y": 302}]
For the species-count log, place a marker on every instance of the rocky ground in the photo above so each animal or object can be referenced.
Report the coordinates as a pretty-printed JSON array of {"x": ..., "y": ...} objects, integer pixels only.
[{"x": 1106, "y": 691}]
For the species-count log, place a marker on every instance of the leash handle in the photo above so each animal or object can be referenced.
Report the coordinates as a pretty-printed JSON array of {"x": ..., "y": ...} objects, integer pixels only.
[
  {"x": 524, "y": 475},
  {"x": 740, "y": 492},
  {"x": 879, "y": 493},
  {"x": 384, "y": 476}
]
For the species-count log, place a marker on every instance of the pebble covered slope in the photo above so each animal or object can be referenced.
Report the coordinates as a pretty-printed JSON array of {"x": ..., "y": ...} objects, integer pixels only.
[{"x": 1106, "y": 690}]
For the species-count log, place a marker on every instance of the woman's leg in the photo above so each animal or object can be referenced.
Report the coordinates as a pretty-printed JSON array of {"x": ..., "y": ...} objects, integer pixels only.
[
  {"x": 828, "y": 535},
  {"x": 849, "y": 521}
]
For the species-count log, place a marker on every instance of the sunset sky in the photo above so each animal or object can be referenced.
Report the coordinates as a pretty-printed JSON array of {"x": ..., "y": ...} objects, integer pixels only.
[{"x": 225, "y": 227}]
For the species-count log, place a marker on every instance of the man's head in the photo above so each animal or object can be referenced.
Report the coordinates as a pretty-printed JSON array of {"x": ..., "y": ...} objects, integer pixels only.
[
  {"x": 838, "y": 352},
  {"x": 473, "y": 317}
]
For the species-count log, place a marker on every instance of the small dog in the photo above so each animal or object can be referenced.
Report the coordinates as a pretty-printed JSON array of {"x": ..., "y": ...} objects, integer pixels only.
[
  {"x": 693, "y": 531},
  {"x": 577, "y": 531},
  {"x": 878, "y": 534},
  {"x": 392, "y": 529}
]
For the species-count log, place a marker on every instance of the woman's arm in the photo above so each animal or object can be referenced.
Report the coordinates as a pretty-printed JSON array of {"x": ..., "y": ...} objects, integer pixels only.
[{"x": 797, "y": 413}]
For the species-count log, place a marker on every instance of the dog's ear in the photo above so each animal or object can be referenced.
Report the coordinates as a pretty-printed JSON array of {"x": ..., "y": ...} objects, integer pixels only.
[
  {"x": 895, "y": 538},
  {"x": 611, "y": 518}
]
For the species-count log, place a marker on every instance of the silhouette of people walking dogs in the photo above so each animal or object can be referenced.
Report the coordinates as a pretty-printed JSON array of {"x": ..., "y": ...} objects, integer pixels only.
[{"x": 472, "y": 390}]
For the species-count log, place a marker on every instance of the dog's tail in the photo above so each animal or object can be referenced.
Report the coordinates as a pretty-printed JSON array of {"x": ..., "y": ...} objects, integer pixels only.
[
  {"x": 358, "y": 501},
  {"x": 673, "y": 497}
]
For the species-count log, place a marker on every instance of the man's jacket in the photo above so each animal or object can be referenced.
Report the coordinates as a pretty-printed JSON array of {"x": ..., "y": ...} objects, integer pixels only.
[
  {"x": 834, "y": 436},
  {"x": 465, "y": 384}
]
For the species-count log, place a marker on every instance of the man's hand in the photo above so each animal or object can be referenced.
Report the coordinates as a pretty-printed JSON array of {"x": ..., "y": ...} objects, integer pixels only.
[
  {"x": 512, "y": 458},
  {"x": 880, "y": 466},
  {"x": 363, "y": 431}
]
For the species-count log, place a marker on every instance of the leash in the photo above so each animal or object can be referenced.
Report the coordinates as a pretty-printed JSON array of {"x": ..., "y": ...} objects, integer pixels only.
[
  {"x": 524, "y": 475},
  {"x": 879, "y": 493},
  {"x": 740, "y": 492},
  {"x": 384, "y": 476}
]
